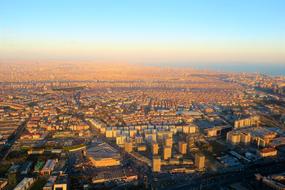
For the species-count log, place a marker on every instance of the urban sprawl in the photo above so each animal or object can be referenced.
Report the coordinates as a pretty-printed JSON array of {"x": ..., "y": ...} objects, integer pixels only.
[{"x": 202, "y": 131}]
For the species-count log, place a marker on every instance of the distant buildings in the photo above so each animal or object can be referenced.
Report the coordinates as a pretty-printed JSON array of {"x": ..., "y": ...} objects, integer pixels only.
[{"x": 8, "y": 128}]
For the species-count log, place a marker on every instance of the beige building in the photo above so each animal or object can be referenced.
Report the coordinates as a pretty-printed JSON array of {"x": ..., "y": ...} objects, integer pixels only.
[
  {"x": 155, "y": 148},
  {"x": 168, "y": 142},
  {"x": 128, "y": 146},
  {"x": 156, "y": 164},
  {"x": 60, "y": 187},
  {"x": 233, "y": 137},
  {"x": 120, "y": 140},
  {"x": 166, "y": 152},
  {"x": 268, "y": 152},
  {"x": 182, "y": 146},
  {"x": 245, "y": 138},
  {"x": 200, "y": 161},
  {"x": 260, "y": 136},
  {"x": 103, "y": 155},
  {"x": 104, "y": 162},
  {"x": 247, "y": 122}
]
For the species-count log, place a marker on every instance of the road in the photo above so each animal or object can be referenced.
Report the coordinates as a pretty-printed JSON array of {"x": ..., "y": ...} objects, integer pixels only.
[{"x": 7, "y": 149}]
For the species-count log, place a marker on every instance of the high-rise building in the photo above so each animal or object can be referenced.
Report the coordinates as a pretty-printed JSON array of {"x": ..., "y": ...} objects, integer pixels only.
[
  {"x": 182, "y": 146},
  {"x": 155, "y": 148},
  {"x": 166, "y": 152},
  {"x": 156, "y": 164},
  {"x": 199, "y": 161}
]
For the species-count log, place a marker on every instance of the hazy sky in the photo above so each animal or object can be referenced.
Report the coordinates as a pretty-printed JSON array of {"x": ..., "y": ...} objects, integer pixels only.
[{"x": 212, "y": 31}]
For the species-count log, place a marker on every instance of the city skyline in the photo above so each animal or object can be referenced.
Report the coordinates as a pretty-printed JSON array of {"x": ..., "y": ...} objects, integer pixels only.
[{"x": 188, "y": 32}]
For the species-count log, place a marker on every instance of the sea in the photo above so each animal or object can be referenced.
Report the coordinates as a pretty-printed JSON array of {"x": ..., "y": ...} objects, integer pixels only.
[{"x": 273, "y": 69}]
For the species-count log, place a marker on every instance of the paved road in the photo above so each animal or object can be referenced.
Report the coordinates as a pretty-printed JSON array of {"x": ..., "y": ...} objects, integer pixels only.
[{"x": 7, "y": 149}]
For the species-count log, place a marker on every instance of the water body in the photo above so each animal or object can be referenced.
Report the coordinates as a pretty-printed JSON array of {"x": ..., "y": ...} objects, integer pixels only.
[{"x": 268, "y": 69}]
